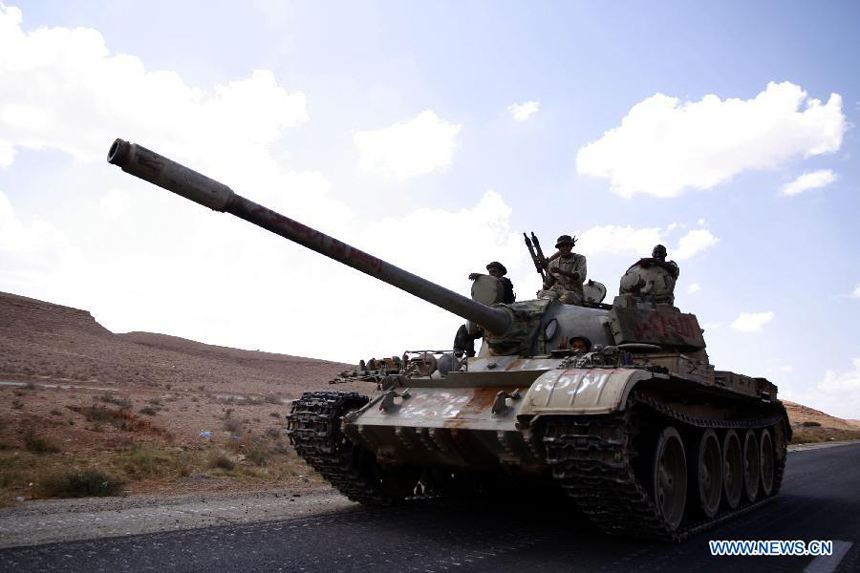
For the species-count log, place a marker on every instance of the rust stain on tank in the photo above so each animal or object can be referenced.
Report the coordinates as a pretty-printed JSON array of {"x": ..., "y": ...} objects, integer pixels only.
[{"x": 480, "y": 403}]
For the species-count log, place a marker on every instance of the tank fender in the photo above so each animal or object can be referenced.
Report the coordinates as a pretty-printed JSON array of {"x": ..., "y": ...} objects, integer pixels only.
[{"x": 581, "y": 391}]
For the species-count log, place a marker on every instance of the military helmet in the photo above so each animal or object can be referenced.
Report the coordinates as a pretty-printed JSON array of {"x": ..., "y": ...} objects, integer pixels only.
[
  {"x": 499, "y": 266},
  {"x": 565, "y": 240}
]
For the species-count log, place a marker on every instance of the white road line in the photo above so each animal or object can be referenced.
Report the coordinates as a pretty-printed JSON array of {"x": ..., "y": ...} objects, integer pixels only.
[
  {"x": 819, "y": 445},
  {"x": 829, "y": 563}
]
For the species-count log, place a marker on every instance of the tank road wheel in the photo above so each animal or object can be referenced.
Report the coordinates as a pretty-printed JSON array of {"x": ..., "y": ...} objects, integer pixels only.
[
  {"x": 709, "y": 473},
  {"x": 733, "y": 468},
  {"x": 670, "y": 477},
  {"x": 766, "y": 462},
  {"x": 752, "y": 465}
]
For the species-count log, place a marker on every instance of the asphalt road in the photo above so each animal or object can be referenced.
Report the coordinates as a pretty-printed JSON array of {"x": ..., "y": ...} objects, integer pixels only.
[{"x": 820, "y": 500}]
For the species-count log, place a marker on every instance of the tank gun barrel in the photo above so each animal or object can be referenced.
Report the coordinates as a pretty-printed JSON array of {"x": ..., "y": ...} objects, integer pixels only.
[{"x": 159, "y": 170}]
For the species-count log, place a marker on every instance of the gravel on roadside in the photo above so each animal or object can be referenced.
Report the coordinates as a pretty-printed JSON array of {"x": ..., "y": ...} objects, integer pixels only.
[{"x": 46, "y": 521}]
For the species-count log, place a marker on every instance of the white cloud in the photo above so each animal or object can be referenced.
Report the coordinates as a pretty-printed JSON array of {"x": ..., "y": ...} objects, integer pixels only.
[
  {"x": 856, "y": 293},
  {"x": 752, "y": 321},
  {"x": 848, "y": 381},
  {"x": 408, "y": 149},
  {"x": 523, "y": 111},
  {"x": 115, "y": 203},
  {"x": 618, "y": 240},
  {"x": 62, "y": 88},
  {"x": 712, "y": 325},
  {"x": 664, "y": 146},
  {"x": 786, "y": 368},
  {"x": 693, "y": 288},
  {"x": 169, "y": 267},
  {"x": 694, "y": 242},
  {"x": 627, "y": 240},
  {"x": 33, "y": 250},
  {"x": 810, "y": 180},
  {"x": 7, "y": 153},
  {"x": 837, "y": 393}
]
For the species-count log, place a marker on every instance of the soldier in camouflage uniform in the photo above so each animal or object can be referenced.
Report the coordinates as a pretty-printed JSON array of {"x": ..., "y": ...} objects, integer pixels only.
[
  {"x": 652, "y": 279},
  {"x": 566, "y": 272},
  {"x": 464, "y": 343},
  {"x": 498, "y": 270}
]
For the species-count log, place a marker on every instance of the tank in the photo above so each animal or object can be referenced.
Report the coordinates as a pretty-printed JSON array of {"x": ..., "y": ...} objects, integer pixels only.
[{"x": 615, "y": 406}]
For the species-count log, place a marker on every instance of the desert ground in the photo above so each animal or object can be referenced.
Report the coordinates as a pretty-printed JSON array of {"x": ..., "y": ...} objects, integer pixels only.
[{"x": 87, "y": 411}]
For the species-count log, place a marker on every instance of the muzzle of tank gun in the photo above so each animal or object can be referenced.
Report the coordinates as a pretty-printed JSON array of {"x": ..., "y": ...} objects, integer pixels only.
[
  {"x": 150, "y": 166},
  {"x": 157, "y": 169}
]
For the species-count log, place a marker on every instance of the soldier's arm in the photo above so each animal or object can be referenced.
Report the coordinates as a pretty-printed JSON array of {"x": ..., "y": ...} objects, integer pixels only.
[
  {"x": 550, "y": 278},
  {"x": 582, "y": 268}
]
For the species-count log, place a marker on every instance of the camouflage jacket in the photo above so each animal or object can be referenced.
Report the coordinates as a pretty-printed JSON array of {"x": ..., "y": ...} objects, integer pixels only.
[
  {"x": 575, "y": 264},
  {"x": 508, "y": 287},
  {"x": 670, "y": 267}
]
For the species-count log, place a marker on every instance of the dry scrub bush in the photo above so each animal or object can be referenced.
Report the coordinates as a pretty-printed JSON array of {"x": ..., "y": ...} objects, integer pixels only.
[
  {"x": 121, "y": 419},
  {"x": 152, "y": 461},
  {"x": 219, "y": 460},
  {"x": 39, "y": 445},
  {"x": 122, "y": 403},
  {"x": 82, "y": 483},
  {"x": 255, "y": 452},
  {"x": 234, "y": 426}
]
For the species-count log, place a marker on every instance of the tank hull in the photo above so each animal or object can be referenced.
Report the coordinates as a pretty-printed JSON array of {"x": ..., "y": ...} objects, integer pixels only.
[{"x": 591, "y": 429}]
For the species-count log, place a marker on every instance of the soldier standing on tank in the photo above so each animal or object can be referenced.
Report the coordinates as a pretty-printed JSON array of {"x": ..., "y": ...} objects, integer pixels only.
[
  {"x": 566, "y": 272},
  {"x": 464, "y": 343}
]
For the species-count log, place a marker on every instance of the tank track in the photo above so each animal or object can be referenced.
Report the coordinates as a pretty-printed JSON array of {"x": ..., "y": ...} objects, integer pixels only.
[
  {"x": 592, "y": 457},
  {"x": 313, "y": 426}
]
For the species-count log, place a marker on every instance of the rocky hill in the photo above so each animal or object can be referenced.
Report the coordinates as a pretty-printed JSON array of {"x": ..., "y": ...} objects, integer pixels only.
[{"x": 43, "y": 341}]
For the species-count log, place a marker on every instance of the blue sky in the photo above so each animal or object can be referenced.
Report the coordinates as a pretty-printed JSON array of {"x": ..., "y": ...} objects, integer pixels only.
[{"x": 724, "y": 130}]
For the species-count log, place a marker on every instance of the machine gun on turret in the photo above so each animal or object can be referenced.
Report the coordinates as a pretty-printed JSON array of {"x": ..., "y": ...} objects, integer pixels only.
[{"x": 537, "y": 255}]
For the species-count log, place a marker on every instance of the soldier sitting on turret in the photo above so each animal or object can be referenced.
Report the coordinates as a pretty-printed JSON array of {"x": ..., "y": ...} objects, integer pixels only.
[
  {"x": 498, "y": 270},
  {"x": 652, "y": 279},
  {"x": 566, "y": 272},
  {"x": 464, "y": 341}
]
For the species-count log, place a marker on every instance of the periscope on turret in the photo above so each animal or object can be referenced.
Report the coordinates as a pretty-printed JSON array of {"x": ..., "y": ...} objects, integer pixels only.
[{"x": 640, "y": 430}]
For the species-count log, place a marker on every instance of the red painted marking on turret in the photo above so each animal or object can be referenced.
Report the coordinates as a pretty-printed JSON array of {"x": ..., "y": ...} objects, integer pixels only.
[{"x": 666, "y": 327}]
